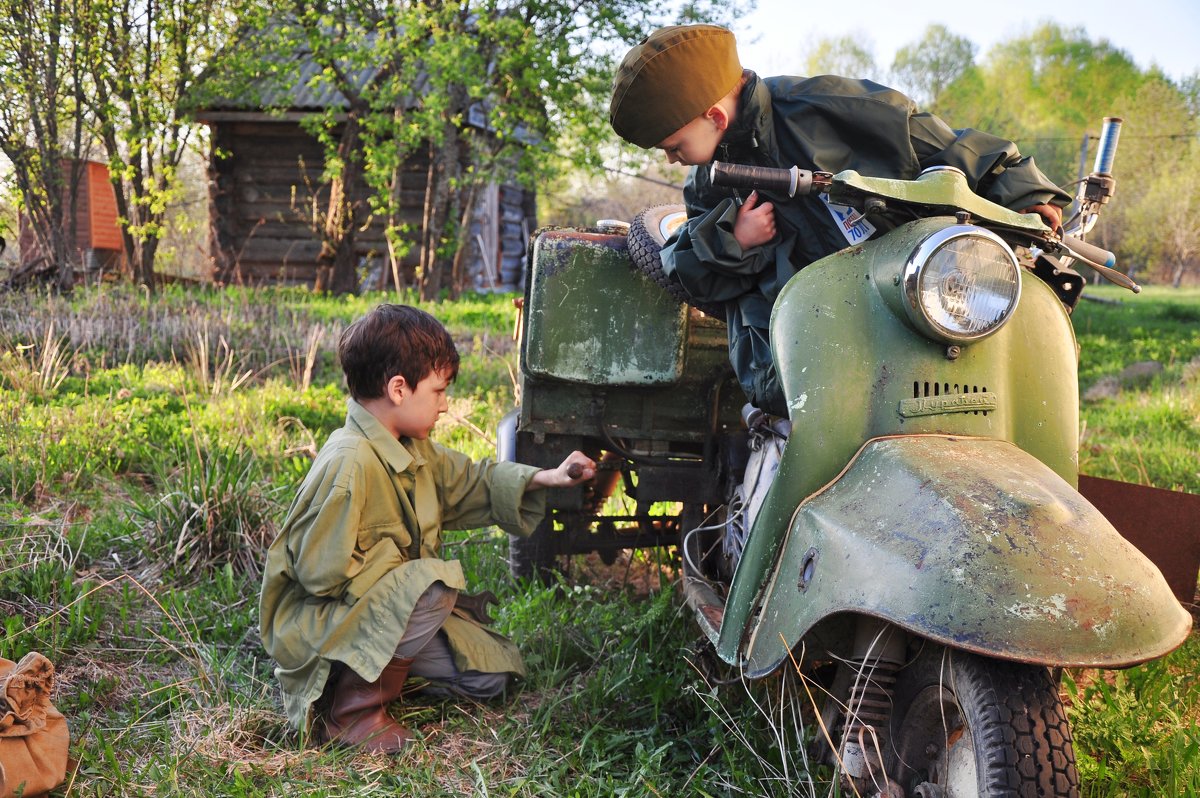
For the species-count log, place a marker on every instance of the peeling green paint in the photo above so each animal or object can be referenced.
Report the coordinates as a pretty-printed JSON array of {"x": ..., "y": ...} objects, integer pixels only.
[{"x": 594, "y": 319}]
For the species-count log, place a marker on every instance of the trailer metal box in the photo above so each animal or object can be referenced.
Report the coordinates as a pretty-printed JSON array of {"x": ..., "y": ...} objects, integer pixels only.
[{"x": 592, "y": 319}]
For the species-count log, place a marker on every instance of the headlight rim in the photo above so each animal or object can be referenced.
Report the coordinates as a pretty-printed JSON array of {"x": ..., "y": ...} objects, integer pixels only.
[{"x": 910, "y": 283}]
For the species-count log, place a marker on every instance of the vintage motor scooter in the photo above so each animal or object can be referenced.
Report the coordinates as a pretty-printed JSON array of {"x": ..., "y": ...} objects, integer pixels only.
[{"x": 912, "y": 534}]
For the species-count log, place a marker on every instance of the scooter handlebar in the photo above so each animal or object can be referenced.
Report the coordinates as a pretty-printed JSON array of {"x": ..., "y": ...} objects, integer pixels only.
[
  {"x": 788, "y": 182},
  {"x": 1099, "y": 259}
]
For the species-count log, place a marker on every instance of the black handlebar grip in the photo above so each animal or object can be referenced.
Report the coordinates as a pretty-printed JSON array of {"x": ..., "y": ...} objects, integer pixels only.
[
  {"x": 1089, "y": 252},
  {"x": 574, "y": 471},
  {"x": 788, "y": 182}
]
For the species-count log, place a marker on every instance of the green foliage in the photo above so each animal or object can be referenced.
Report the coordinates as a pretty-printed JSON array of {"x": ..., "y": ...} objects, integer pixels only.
[
  {"x": 141, "y": 62},
  {"x": 1137, "y": 731},
  {"x": 1162, "y": 225},
  {"x": 1045, "y": 91},
  {"x": 211, "y": 509},
  {"x": 845, "y": 55},
  {"x": 44, "y": 123},
  {"x": 925, "y": 69}
]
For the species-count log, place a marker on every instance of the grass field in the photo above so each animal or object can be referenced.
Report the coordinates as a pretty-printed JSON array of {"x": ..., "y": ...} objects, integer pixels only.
[{"x": 149, "y": 446}]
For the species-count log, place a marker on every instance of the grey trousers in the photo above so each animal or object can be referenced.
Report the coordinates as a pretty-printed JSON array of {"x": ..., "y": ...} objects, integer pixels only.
[{"x": 425, "y": 643}]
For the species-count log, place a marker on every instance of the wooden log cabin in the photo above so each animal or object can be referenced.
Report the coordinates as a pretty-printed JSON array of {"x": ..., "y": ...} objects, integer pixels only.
[{"x": 265, "y": 172}]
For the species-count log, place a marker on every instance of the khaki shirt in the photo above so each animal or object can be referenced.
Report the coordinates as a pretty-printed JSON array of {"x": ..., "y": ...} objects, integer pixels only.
[{"x": 362, "y": 542}]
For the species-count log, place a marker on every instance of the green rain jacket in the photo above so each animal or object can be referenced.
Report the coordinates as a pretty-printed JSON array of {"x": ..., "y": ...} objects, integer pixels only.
[
  {"x": 362, "y": 541},
  {"x": 829, "y": 124}
]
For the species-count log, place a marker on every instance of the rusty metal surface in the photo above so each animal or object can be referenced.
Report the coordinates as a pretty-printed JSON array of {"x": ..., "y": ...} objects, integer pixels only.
[
  {"x": 1163, "y": 524},
  {"x": 972, "y": 543},
  {"x": 593, "y": 319}
]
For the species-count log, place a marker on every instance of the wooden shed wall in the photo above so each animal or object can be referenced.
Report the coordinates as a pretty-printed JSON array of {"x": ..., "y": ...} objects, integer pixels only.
[{"x": 264, "y": 228}]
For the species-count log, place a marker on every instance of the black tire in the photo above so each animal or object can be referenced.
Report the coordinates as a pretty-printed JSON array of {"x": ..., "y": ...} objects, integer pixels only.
[
  {"x": 534, "y": 557},
  {"x": 1007, "y": 730},
  {"x": 647, "y": 235}
]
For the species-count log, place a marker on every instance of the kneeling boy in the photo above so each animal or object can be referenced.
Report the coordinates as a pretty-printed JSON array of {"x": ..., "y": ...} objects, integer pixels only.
[{"x": 355, "y": 596}]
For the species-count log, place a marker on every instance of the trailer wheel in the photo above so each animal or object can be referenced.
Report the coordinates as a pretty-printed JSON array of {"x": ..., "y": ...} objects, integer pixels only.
[
  {"x": 534, "y": 557},
  {"x": 647, "y": 234}
]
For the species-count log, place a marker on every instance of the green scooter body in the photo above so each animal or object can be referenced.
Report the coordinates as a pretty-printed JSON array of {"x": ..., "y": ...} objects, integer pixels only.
[{"x": 939, "y": 486}]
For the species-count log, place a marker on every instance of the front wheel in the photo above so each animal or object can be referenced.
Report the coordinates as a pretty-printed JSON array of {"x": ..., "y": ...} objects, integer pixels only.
[{"x": 965, "y": 725}]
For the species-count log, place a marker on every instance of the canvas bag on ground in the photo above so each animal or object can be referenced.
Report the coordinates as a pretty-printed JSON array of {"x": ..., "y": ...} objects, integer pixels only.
[{"x": 33, "y": 734}]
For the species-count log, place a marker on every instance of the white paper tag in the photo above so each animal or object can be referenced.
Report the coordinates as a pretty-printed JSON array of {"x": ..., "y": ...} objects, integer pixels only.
[{"x": 854, "y": 225}]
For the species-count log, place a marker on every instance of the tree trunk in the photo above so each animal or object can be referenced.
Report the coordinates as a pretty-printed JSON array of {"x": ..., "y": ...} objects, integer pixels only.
[
  {"x": 144, "y": 270},
  {"x": 49, "y": 198},
  {"x": 445, "y": 168},
  {"x": 395, "y": 248},
  {"x": 463, "y": 245},
  {"x": 390, "y": 234},
  {"x": 337, "y": 264},
  {"x": 432, "y": 221}
]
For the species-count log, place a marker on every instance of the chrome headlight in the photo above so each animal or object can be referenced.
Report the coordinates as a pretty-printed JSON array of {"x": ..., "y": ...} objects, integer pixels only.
[{"x": 961, "y": 284}]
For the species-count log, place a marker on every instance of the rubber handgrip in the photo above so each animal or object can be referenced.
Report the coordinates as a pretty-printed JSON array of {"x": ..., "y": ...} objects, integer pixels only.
[
  {"x": 1089, "y": 252},
  {"x": 778, "y": 181}
]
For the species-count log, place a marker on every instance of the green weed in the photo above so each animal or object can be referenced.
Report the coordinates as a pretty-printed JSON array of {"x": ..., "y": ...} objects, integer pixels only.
[
  {"x": 35, "y": 369},
  {"x": 1137, "y": 732},
  {"x": 213, "y": 366},
  {"x": 211, "y": 509}
]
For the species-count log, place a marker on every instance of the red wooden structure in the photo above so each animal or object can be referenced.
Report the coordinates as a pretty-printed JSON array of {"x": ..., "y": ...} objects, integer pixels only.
[{"x": 95, "y": 233}]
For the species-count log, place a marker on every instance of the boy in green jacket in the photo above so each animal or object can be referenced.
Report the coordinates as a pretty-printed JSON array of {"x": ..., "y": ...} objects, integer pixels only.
[
  {"x": 355, "y": 595},
  {"x": 683, "y": 90}
]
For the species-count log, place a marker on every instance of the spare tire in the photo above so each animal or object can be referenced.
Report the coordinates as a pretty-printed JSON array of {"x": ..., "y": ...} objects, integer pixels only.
[{"x": 647, "y": 234}]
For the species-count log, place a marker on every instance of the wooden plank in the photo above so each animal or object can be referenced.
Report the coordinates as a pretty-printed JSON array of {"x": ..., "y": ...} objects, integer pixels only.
[
  {"x": 102, "y": 201},
  {"x": 294, "y": 224},
  {"x": 275, "y": 198},
  {"x": 300, "y": 250}
]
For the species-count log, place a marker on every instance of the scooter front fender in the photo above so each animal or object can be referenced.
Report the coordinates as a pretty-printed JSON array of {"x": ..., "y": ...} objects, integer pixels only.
[{"x": 972, "y": 543}]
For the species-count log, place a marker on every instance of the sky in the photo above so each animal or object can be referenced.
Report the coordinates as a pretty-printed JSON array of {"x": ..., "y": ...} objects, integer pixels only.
[{"x": 773, "y": 39}]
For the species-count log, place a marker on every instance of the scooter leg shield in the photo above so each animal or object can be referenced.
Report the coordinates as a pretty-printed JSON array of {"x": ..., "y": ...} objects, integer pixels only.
[{"x": 973, "y": 543}]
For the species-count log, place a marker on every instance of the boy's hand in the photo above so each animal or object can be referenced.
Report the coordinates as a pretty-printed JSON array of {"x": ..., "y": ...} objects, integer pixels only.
[
  {"x": 577, "y": 468},
  {"x": 1051, "y": 215},
  {"x": 755, "y": 223}
]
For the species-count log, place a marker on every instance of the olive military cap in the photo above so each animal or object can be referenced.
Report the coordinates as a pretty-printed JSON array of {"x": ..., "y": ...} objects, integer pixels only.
[{"x": 672, "y": 77}]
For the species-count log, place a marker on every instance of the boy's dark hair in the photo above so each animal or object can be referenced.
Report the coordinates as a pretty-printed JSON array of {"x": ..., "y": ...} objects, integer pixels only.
[{"x": 391, "y": 340}]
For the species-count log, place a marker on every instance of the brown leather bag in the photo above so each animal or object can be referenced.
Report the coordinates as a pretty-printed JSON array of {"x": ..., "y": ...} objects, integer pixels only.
[{"x": 33, "y": 734}]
